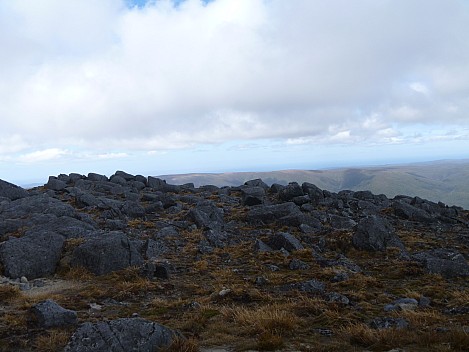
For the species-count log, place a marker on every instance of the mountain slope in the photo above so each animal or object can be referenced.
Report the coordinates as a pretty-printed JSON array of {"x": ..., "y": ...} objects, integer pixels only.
[{"x": 445, "y": 181}]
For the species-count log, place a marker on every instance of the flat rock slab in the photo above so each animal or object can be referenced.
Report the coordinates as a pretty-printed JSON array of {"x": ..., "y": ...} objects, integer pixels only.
[
  {"x": 121, "y": 335},
  {"x": 11, "y": 191},
  {"x": 32, "y": 256},
  {"x": 106, "y": 252},
  {"x": 49, "y": 314}
]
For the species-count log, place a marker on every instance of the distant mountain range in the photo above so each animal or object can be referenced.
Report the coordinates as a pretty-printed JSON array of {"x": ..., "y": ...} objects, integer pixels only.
[{"x": 446, "y": 181}]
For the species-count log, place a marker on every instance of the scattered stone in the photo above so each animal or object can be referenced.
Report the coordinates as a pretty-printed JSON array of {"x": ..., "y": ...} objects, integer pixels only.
[
  {"x": 224, "y": 292},
  {"x": 446, "y": 262},
  {"x": 285, "y": 240},
  {"x": 260, "y": 246},
  {"x": 387, "y": 322},
  {"x": 11, "y": 191},
  {"x": 310, "y": 286},
  {"x": 104, "y": 253},
  {"x": 297, "y": 264},
  {"x": 32, "y": 256},
  {"x": 48, "y": 314},
  {"x": 336, "y": 297},
  {"x": 261, "y": 281},
  {"x": 375, "y": 233},
  {"x": 339, "y": 277},
  {"x": 121, "y": 335},
  {"x": 207, "y": 215}
]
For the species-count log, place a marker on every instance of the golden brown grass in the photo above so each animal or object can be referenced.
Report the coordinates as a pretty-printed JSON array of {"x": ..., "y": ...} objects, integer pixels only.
[
  {"x": 14, "y": 320},
  {"x": 51, "y": 341},
  {"x": 180, "y": 344},
  {"x": 9, "y": 293},
  {"x": 272, "y": 319},
  {"x": 458, "y": 298},
  {"x": 78, "y": 273}
]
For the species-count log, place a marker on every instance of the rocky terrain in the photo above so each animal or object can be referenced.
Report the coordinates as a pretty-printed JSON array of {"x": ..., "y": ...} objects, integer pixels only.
[
  {"x": 445, "y": 180},
  {"x": 132, "y": 263}
]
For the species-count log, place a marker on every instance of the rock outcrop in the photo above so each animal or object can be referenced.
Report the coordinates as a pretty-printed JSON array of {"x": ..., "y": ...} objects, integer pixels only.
[{"x": 170, "y": 252}]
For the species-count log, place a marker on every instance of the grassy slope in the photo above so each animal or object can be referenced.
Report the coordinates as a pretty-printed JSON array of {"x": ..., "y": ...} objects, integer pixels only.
[{"x": 446, "y": 181}]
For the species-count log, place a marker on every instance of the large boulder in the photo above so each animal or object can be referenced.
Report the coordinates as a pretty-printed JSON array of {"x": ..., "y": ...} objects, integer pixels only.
[
  {"x": 66, "y": 226},
  {"x": 253, "y": 195},
  {"x": 409, "y": 212},
  {"x": 291, "y": 191},
  {"x": 11, "y": 191},
  {"x": 32, "y": 256},
  {"x": 106, "y": 252},
  {"x": 121, "y": 335},
  {"x": 285, "y": 240},
  {"x": 271, "y": 213},
  {"x": 48, "y": 314},
  {"x": 315, "y": 193},
  {"x": 160, "y": 185},
  {"x": 257, "y": 183},
  {"x": 207, "y": 215},
  {"x": 37, "y": 204},
  {"x": 446, "y": 262},
  {"x": 375, "y": 233},
  {"x": 55, "y": 184}
]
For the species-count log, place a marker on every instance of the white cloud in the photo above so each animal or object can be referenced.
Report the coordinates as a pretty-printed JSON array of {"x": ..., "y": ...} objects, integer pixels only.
[
  {"x": 42, "y": 155},
  {"x": 419, "y": 88},
  {"x": 98, "y": 75}
]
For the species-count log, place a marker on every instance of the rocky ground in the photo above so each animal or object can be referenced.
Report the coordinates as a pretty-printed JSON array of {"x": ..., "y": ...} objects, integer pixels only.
[{"x": 130, "y": 263}]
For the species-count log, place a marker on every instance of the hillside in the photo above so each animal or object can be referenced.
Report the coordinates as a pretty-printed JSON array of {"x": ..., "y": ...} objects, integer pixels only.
[
  {"x": 445, "y": 181},
  {"x": 132, "y": 263}
]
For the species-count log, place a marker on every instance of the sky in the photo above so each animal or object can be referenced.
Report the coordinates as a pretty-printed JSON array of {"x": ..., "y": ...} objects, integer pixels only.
[{"x": 162, "y": 87}]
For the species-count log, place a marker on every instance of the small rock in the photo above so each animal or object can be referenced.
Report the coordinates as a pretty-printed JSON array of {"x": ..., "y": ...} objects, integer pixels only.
[
  {"x": 25, "y": 287},
  {"x": 296, "y": 264},
  {"x": 95, "y": 306},
  {"x": 387, "y": 322},
  {"x": 260, "y": 281},
  {"x": 224, "y": 292},
  {"x": 49, "y": 315},
  {"x": 337, "y": 298},
  {"x": 424, "y": 302},
  {"x": 23, "y": 280},
  {"x": 340, "y": 277},
  {"x": 260, "y": 246}
]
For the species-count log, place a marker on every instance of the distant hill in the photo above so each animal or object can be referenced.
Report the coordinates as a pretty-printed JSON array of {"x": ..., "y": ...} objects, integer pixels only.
[{"x": 446, "y": 181}]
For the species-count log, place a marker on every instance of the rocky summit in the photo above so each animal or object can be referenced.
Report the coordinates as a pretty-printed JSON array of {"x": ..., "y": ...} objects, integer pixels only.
[{"x": 132, "y": 263}]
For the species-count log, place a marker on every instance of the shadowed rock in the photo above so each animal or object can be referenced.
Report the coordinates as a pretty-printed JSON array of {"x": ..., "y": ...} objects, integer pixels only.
[
  {"x": 285, "y": 240},
  {"x": 375, "y": 234},
  {"x": 121, "y": 335},
  {"x": 207, "y": 215},
  {"x": 106, "y": 252},
  {"x": 448, "y": 263},
  {"x": 49, "y": 314},
  {"x": 11, "y": 191},
  {"x": 32, "y": 256}
]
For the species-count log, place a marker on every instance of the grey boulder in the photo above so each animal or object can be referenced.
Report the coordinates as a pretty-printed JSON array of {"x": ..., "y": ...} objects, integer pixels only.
[
  {"x": 11, "y": 191},
  {"x": 32, "y": 256},
  {"x": 285, "y": 240},
  {"x": 446, "y": 262},
  {"x": 48, "y": 314},
  {"x": 120, "y": 335},
  {"x": 106, "y": 252},
  {"x": 375, "y": 233}
]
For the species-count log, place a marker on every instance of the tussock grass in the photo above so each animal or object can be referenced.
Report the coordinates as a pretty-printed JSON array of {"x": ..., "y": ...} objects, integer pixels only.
[
  {"x": 271, "y": 319},
  {"x": 52, "y": 341},
  {"x": 182, "y": 345},
  {"x": 9, "y": 293}
]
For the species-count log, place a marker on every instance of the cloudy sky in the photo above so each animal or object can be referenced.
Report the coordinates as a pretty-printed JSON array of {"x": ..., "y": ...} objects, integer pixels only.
[{"x": 157, "y": 87}]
